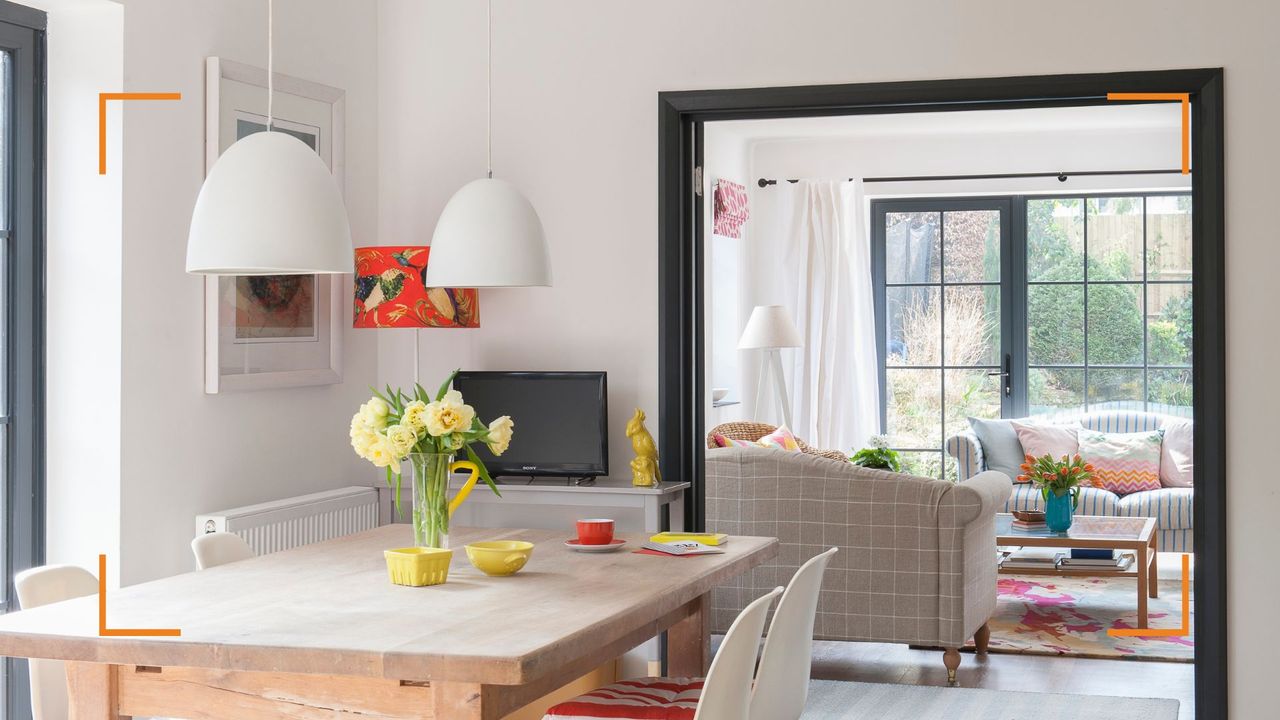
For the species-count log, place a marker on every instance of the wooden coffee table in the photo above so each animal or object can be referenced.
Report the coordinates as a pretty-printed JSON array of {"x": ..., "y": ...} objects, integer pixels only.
[{"x": 1134, "y": 534}]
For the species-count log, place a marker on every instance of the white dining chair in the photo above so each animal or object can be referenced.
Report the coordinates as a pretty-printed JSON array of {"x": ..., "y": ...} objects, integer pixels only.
[
  {"x": 782, "y": 680},
  {"x": 725, "y": 694},
  {"x": 42, "y": 586},
  {"x": 219, "y": 548}
]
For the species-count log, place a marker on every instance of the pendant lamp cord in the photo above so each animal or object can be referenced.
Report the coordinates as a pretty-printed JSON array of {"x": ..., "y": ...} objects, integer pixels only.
[
  {"x": 271, "y": 70},
  {"x": 488, "y": 89}
]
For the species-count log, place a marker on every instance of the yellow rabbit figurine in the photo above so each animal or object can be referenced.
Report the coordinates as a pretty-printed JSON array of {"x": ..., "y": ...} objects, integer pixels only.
[{"x": 644, "y": 469}]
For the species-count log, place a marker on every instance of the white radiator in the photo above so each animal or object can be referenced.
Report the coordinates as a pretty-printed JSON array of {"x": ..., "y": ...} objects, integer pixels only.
[{"x": 282, "y": 524}]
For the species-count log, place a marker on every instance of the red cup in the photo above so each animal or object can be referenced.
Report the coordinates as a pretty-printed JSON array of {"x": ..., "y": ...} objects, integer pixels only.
[{"x": 595, "y": 532}]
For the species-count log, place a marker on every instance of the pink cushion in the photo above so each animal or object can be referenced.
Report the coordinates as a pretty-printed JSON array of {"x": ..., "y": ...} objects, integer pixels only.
[
  {"x": 1176, "y": 464},
  {"x": 781, "y": 439},
  {"x": 1123, "y": 463},
  {"x": 656, "y": 698},
  {"x": 1041, "y": 440},
  {"x": 722, "y": 441}
]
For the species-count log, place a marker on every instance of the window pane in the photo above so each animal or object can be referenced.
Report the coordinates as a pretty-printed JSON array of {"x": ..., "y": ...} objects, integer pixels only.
[
  {"x": 1051, "y": 390},
  {"x": 6, "y": 152},
  {"x": 972, "y": 239},
  {"x": 924, "y": 464},
  {"x": 912, "y": 247},
  {"x": 970, "y": 393},
  {"x": 1115, "y": 389},
  {"x": 1169, "y": 324},
  {"x": 973, "y": 325},
  {"x": 1169, "y": 237},
  {"x": 1055, "y": 324},
  {"x": 1115, "y": 238},
  {"x": 1169, "y": 392},
  {"x": 914, "y": 332},
  {"x": 1055, "y": 240},
  {"x": 1115, "y": 324},
  {"x": 914, "y": 408}
]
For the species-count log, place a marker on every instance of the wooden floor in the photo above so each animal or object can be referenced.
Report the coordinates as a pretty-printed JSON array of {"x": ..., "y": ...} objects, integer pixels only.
[
  {"x": 880, "y": 663},
  {"x": 875, "y": 662}
]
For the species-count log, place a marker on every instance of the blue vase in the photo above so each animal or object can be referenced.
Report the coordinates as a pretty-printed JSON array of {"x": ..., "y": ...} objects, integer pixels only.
[{"x": 1058, "y": 510}]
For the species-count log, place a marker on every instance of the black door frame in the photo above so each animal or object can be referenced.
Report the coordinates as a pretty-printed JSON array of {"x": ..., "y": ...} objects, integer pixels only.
[{"x": 680, "y": 283}]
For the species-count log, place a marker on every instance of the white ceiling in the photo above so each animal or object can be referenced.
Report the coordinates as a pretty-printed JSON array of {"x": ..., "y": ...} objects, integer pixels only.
[{"x": 1144, "y": 116}]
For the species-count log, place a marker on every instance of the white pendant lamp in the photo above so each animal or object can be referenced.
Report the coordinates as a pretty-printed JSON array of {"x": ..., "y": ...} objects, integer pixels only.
[
  {"x": 269, "y": 206},
  {"x": 489, "y": 234}
]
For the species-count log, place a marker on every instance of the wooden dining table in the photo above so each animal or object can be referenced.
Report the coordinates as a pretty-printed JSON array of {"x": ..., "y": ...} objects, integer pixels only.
[{"x": 320, "y": 631}]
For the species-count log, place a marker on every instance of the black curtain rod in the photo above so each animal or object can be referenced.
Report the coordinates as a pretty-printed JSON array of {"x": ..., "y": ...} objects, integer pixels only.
[{"x": 1062, "y": 176}]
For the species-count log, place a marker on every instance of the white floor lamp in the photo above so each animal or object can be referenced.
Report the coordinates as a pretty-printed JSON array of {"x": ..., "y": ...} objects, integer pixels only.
[{"x": 770, "y": 329}]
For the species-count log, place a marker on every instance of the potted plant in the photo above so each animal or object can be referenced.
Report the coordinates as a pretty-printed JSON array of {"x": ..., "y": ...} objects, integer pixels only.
[
  {"x": 394, "y": 426},
  {"x": 1059, "y": 482},
  {"x": 878, "y": 455}
]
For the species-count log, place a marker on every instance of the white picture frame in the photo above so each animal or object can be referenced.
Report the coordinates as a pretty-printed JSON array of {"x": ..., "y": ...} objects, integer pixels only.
[{"x": 236, "y": 99}]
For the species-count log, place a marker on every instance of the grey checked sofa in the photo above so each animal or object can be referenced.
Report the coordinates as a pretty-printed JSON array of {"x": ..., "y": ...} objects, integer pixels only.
[
  {"x": 917, "y": 556},
  {"x": 1170, "y": 506}
]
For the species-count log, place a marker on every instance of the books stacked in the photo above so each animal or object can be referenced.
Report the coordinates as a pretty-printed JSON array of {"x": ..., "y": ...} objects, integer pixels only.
[
  {"x": 684, "y": 547},
  {"x": 704, "y": 538},
  {"x": 1099, "y": 560},
  {"x": 1027, "y": 524},
  {"x": 1031, "y": 558}
]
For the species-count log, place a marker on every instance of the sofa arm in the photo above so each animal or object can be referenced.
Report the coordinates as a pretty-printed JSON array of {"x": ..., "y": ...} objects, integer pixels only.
[
  {"x": 967, "y": 451},
  {"x": 982, "y": 495}
]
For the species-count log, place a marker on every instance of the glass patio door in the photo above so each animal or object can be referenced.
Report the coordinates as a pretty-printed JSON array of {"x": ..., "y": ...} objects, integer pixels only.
[{"x": 941, "y": 288}]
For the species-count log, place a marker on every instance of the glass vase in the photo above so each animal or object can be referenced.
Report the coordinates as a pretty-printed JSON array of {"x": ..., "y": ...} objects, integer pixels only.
[
  {"x": 431, "y": 499},
  {"x": 1058, "y": 510}
]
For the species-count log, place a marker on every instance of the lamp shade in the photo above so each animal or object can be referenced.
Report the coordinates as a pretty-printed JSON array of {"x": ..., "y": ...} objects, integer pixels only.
[
  {"x": 769, "y": 327},
  {"x": 269, "y": 206},
  {"x": 390, "y": 292},
  {"x": 489, "y": 236}
]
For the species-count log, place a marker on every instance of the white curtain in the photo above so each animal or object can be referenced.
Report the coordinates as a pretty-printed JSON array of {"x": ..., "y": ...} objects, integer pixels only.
[{"x": 824, "y": 278}]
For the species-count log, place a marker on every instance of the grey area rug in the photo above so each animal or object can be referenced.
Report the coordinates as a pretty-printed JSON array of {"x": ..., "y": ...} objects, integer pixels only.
[{"x": 871, "y": 701}]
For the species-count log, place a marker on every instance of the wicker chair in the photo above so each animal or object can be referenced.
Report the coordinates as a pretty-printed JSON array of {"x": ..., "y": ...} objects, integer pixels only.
[{"x": 753, "y": 431}]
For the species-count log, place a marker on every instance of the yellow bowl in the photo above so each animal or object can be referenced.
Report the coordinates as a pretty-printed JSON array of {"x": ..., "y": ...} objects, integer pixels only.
[
  {"x": 418, "y": 566},
  {"x": 499, "y": 557}
]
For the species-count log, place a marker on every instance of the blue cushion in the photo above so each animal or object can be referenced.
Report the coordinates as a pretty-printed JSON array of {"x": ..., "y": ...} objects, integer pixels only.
[{"x": 1000, "y": 446}]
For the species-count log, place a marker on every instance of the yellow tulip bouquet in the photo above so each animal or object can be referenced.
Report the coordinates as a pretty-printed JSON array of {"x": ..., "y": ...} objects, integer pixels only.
[{"x": 394, "y": 426}]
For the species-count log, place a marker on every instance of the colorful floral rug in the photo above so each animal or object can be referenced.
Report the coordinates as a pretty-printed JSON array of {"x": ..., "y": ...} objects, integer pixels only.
[{"x": 1071, "y": 616}]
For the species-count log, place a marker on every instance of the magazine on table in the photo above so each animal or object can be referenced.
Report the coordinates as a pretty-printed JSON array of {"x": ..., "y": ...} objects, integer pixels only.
[{"x": 683, "y": 547}]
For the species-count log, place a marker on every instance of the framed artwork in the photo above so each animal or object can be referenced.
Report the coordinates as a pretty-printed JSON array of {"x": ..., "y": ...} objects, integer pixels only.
[{"x": 272, "y": 331}]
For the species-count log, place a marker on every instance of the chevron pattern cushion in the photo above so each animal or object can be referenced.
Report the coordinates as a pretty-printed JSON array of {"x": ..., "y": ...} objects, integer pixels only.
[
  {"x": 655, "y": 698},
  {"x": 1123, "y": 462}
]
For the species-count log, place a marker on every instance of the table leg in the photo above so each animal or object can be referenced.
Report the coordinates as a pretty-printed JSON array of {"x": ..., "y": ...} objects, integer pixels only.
[
  {"x": 1144, "y": 584},
  {"x": 1153, "y": 577},
  {"x": 93, "y": 691},
  {"x": 464, "y": 701},
  {"x": 689, "y": 641}
]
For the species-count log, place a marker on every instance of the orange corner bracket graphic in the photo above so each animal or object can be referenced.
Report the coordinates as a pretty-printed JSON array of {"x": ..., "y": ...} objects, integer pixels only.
[
  {"x": 102, "y": 117},
  {"x": 1185, "y": 99},
  {"x": 1183, "y": 631},
  {"x": 104, "y": 631}
]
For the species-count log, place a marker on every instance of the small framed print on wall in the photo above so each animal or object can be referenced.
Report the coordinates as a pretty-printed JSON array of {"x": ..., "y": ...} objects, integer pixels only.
[{"x": 273, "y": 331}]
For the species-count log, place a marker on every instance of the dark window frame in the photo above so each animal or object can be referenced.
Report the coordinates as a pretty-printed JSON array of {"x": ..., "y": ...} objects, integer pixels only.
[
  {"x": 681, "y": 386},
  {"x": 22, "y": 34},
  {"x": 1015, "y": 287}
]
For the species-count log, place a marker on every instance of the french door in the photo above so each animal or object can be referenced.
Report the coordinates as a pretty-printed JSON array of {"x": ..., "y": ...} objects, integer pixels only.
[
  {"x": 22, "y": 161},
  {"x": 1016, "y": 306}
]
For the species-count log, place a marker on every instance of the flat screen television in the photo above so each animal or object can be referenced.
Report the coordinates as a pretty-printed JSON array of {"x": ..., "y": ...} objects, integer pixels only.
[{"x": 561, "y": 421}]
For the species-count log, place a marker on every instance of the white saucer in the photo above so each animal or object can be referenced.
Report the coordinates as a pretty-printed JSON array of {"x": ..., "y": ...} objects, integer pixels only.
[{"x": 609, "y": 547}]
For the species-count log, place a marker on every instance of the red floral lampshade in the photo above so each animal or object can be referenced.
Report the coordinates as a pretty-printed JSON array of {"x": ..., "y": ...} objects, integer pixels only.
[{"x": 390, "y": 293}]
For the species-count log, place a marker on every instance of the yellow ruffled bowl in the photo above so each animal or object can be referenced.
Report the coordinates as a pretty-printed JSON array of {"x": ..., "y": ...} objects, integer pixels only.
[
  {"x": 418, "y": 566},
  {"x": 499, "y": 557}
]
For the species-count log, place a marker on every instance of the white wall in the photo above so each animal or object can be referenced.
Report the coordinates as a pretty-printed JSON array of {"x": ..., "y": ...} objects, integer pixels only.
[
  {"x": 724, "y": 157},
  {"x": 86, "y": 56},
  {"x": 184, "y": 452},
  {"x": 575, "y": 86}
]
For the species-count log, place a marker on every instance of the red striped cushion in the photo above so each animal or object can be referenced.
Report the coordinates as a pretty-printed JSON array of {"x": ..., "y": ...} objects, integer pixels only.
[{"x": 656, "y": 698}]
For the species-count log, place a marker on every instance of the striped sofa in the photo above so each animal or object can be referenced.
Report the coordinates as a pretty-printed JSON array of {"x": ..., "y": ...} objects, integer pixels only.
[{"x": 1171, "y": 507}]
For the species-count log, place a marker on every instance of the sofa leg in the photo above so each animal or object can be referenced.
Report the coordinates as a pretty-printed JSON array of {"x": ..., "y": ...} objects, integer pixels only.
[
  {"x": 982, "y": 638},
  {"x": 951, "y": 658}
]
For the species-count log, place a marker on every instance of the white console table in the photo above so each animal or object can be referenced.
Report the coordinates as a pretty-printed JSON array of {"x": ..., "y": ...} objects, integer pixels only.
[{"x": 556, "y": 505}]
